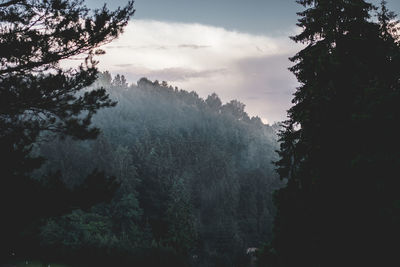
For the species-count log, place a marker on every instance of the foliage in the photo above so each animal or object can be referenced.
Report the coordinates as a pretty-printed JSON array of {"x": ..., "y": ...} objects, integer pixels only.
[
  {"x": 180, "y": 219},
  {"x": 200, "y": 170},
  {"x": 37, "y": 95},
  {"x": 340, "y": 163}
]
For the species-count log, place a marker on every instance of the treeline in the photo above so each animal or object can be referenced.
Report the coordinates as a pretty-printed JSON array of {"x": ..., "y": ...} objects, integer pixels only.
[{"x": 195, "y": 179}]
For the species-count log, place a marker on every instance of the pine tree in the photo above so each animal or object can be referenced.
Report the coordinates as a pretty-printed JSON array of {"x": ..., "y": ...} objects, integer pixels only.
[
  {"x": 332, "y": 149},
  {"x": 38, "y": 96}
]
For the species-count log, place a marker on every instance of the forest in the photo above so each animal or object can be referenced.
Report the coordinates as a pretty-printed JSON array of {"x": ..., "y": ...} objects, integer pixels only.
[
  {"x": 195, "y": 176},
  {"x": 99, "y": 172}
]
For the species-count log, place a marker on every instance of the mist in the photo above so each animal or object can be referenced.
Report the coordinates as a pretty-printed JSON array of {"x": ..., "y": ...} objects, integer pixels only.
[{"x": 201, "y": 171}]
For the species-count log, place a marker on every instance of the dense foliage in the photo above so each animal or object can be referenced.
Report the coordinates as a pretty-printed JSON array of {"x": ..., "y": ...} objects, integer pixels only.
[
  {"x": 196, "y": 177},
  {"x": 37, "y": 95},
  {"x": 340, "y": 146}
]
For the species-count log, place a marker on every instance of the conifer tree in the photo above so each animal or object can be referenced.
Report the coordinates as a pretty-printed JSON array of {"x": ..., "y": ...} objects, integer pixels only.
[
  {"x": 37, "y": 95},
  {"x": 338, "y": 160}
]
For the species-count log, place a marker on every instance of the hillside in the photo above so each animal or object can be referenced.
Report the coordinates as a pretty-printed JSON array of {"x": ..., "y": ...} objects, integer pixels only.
[{"x": 196, "y": 176}]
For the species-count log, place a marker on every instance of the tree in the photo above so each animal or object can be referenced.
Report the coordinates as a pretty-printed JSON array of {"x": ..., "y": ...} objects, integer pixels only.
[
  {"x": 126, "y": 215},
  {"x": 181, "y": 229},
  {"x": 236, "y": 109},
  {"x": 214, "y": 102},
  {"x": 338, "y": 162},
  {"x": 37, "y": 95}
]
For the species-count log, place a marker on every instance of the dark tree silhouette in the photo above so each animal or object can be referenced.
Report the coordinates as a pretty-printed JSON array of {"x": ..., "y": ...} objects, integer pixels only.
[
  {"x": 339, "y": 149},
  {"x": 37, "y": 95}
]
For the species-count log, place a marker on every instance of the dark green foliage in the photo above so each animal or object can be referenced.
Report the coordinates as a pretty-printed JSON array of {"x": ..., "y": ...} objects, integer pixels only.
[
  {"x": 37, "y": 96},
  {"x": 76, "y": 231},
  {"x": 56, "y": 198},
  {"x": 200, "y": 170},
  {"x": 180, "y": 219},
  {"x": 340, "y": 147}
]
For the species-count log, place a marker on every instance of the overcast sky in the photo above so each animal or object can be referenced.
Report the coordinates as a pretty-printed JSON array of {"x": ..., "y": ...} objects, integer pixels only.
[{"x": 238, "y": 49}]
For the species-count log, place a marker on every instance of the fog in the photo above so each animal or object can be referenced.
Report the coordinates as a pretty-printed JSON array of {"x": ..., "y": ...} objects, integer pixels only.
[{"x": 200, "y": 171}]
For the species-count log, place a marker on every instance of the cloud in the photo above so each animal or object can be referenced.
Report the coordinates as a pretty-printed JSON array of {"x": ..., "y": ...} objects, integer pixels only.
[
  {"x": 123, "y": 65},
  {"x": 193, "y": 46},
  {"x": 207, "y": 59},
  {"x": 182, "y": 74},
  {"x": 171, "y": 75}
]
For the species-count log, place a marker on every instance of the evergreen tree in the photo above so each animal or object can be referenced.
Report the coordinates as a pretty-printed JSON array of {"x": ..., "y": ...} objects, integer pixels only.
[
  {"x": 181, "y": 229},
  {"x": 338, "y": 161},
  {"x": 37, "y": 95}
]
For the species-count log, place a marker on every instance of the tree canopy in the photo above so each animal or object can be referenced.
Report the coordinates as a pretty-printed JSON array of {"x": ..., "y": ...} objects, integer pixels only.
[
  {"x": 200, "y": 172},
  {"x": 37, "y": 95}
]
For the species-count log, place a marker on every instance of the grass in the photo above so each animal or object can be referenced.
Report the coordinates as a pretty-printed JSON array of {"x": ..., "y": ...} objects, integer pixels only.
[{"x": 39, "y": 264}]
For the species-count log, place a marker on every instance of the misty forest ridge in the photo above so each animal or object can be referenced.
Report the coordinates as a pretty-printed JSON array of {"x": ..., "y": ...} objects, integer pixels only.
[{"x": 99, "y": 171}]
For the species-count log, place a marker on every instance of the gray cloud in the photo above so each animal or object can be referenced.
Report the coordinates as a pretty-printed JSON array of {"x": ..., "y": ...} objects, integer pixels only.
[
  {"x": 153, "y": 47},
  {"x": 177, "y": 74},
  {"x": 158, "y": 47},
  {"x": 193, "y": 46},
  {"x": 117, "y": 46},
  {"x": 123, "y": 65}
]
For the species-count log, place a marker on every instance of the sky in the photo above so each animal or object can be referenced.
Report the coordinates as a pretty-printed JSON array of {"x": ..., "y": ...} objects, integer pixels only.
[{"x": 237, "y": 49}]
